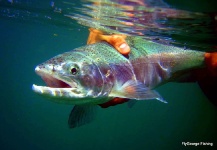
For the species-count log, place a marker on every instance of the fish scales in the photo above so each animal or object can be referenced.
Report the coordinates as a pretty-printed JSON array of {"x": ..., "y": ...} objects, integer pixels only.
[{"x": 97, "y": 72}]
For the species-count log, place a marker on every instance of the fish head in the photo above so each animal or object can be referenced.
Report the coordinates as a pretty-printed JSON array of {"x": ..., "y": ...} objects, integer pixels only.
[{"x": 70, "y": 75}]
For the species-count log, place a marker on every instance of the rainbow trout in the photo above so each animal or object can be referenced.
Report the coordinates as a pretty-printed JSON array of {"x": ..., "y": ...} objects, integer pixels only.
[{"x": 95, "y": 74}]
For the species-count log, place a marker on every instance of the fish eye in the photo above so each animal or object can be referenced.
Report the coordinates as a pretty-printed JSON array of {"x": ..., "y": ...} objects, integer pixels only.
[
  {"x": 72, "y": 68},
  {"x": 74, "y": 71}
]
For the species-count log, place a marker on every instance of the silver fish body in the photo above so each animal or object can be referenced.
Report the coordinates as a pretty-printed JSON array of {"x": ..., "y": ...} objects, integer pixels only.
[{"x": 94, "y": 74}]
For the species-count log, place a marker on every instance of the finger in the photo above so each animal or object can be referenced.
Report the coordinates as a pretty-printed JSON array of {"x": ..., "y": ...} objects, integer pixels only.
[
  {"x": 123, "y": 48},
  {"x": 118, "y": 42}
]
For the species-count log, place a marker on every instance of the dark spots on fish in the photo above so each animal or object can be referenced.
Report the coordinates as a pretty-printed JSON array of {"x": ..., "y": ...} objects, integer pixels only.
[
  {"x": 50, "y": 61},
  {"x": 54, "y": 61},
  {"x": 98, "y": 59},
  {"x": 41, "y": 66},
  {"x": 59, "y": 60},
  {"x": 53, "y": 69}
]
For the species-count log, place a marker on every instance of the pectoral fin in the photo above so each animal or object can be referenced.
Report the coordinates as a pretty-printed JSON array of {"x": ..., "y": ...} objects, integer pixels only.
[
  {"x": 81, "y": 115},
  {"x": 135, "y": 90}
]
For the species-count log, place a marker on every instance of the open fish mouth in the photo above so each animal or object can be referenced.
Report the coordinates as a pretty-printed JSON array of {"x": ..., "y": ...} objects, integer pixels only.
[{"x": 56, "y": 87}]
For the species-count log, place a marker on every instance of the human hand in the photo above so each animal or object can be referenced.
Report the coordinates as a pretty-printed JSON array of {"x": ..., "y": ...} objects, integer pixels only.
[
  {"x": 211, "y": 63},
  {"x": 116, "y": 40}
]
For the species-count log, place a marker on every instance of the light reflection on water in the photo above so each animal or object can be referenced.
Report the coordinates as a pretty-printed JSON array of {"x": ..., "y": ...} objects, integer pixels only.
[
  {"x": 137, "y": 18},
  {"x": 154, "y": 20}
]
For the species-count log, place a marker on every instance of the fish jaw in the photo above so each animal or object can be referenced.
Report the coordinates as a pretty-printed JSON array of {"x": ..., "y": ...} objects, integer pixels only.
[
  {"x": 69, "y": 96},
  {"x": 52, "y": 79},
  {"x": 57, "y": 92},
  {"x": 56, "y": 87}
]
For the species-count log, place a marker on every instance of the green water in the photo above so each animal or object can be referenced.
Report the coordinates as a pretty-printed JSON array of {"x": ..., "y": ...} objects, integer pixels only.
[{"x": 29, "y": 121}]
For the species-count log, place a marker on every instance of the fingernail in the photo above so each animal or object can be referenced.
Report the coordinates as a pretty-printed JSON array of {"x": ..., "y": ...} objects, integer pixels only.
[{"x": 124, "y": 48}]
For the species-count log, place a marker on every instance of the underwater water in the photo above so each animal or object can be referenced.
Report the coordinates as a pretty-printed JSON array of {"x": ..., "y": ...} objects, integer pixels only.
[{"x": 33, "y": 31}]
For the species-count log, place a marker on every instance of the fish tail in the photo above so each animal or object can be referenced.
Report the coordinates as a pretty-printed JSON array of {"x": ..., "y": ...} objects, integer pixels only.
[
  {"x": 208, "y": 86},
  {"x": 208, "y": 82}
]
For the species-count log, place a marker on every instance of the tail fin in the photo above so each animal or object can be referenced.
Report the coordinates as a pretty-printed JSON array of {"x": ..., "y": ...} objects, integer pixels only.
[
  {"x": 209, "y": 82},
  {"x": 208, "y": 86}
]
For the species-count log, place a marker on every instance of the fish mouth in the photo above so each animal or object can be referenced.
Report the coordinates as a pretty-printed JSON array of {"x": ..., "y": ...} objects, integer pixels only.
[{"x": 56, "y": 86}]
